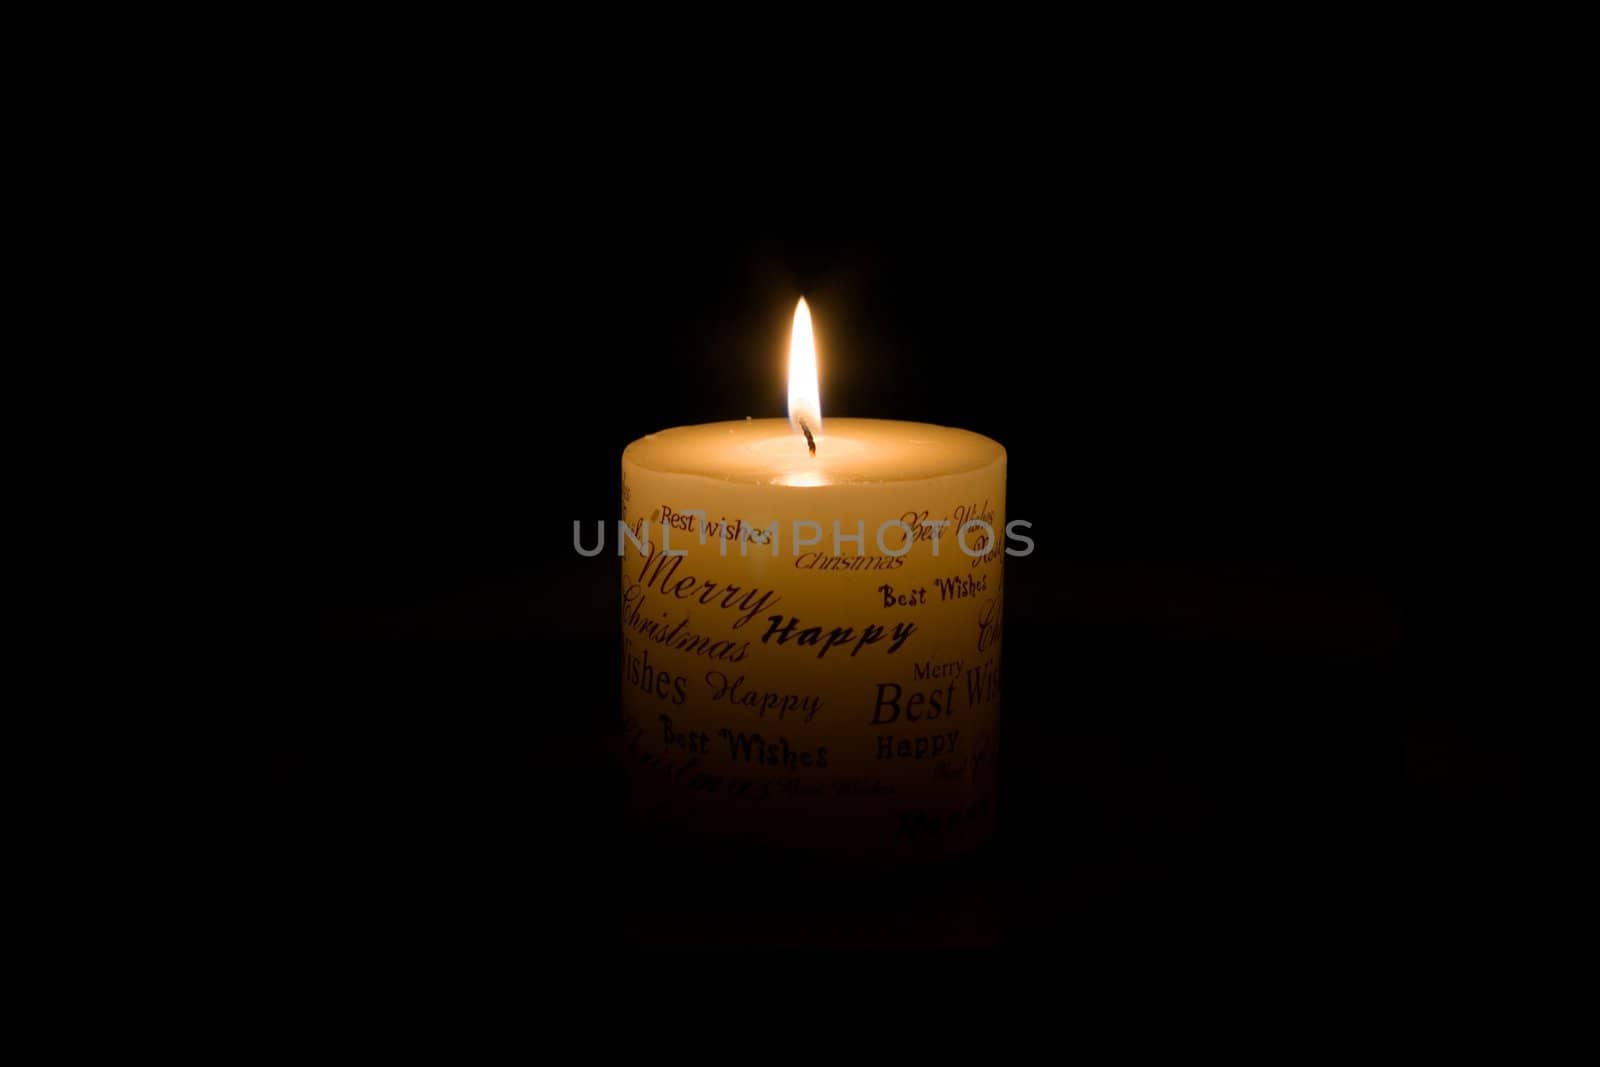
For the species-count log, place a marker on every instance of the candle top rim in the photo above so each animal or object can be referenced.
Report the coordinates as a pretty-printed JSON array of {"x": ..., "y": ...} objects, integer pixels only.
[{"x": 850, "y": 451}]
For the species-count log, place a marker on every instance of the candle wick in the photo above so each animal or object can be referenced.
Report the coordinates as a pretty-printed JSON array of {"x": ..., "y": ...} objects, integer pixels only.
[{"x": 811, "y": 442}]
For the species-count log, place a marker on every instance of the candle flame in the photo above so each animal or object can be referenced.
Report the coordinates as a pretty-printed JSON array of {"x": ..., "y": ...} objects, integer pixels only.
[{"x": 804, "y": 405}]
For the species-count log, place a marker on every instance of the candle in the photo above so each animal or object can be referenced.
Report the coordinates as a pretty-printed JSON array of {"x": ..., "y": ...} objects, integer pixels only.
[{"x": 811, "y": 628}]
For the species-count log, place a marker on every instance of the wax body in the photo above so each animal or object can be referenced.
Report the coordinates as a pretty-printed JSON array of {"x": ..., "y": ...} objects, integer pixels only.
[{"x": 842, "y": 694}]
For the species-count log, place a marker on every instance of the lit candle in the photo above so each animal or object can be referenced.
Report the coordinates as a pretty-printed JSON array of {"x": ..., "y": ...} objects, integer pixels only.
[{"x": 820, "y": 666}]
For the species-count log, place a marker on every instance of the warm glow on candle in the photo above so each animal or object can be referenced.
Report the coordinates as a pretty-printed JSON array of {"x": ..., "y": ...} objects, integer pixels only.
[
  {"x": 804, "y": 405},
  {"x": 802, "y": 666}
]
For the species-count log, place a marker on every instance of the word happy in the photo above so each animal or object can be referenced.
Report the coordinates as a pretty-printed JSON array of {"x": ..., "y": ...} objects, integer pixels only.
[{"x": 786, "y": 629}]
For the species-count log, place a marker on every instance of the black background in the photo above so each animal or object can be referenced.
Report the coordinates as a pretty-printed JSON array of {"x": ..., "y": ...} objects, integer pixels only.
[{"x": 1178, "y": 319}]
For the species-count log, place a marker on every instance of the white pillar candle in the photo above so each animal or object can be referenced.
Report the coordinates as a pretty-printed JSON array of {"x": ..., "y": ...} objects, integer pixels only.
[{"x": 820, "y": 668}]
